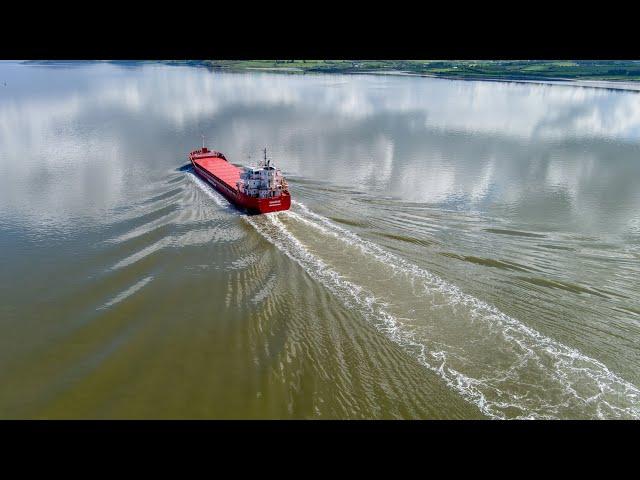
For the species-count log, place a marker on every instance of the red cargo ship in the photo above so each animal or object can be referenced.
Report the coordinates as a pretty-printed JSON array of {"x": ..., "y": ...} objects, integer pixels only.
[{"x": 260, "y": 189}]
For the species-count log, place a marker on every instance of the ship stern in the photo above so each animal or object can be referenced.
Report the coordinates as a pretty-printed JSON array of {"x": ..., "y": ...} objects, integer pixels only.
[{"x": 276, "y": 204}]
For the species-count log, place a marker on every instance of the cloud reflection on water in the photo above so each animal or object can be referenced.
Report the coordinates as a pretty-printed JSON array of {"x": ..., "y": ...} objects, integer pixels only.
[{"x": 477, "y": 145}]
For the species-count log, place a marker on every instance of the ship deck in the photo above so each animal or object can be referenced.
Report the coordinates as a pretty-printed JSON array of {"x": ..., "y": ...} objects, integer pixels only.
[{"x": 225, "y": 171}]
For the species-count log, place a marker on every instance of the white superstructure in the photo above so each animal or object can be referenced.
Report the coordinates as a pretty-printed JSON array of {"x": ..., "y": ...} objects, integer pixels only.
[{"x": 263, "y": 181}]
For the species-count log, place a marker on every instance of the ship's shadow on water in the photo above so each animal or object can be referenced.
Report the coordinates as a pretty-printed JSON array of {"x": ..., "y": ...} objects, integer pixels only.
[{"x": 187, "y": 167}]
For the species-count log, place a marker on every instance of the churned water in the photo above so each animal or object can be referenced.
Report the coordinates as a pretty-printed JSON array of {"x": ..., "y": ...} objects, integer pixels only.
[{"x": 455, "y": 249}]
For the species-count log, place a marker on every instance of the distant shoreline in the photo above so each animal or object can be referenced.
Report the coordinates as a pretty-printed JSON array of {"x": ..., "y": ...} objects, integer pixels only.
[
  {"x": 620, "y": 85},
  {"x": 612, "y": 75},
  {"x": 617, "y": 85},
  {"x": 583, "y": 76}
]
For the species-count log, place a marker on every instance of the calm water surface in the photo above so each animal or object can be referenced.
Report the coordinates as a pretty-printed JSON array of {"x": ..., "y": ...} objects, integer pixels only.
[{"x": 455, "y": 249}]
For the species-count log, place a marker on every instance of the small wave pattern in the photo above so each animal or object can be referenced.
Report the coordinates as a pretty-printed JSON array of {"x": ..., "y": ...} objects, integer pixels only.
[
  {"x": 208, "y": 190},
  {"x": 126, "y": 293},
  {"x": 525, "y": 374}
]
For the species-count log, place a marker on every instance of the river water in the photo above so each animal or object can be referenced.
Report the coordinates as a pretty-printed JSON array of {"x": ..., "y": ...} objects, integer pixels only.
[{"x": 455, "y": 249}]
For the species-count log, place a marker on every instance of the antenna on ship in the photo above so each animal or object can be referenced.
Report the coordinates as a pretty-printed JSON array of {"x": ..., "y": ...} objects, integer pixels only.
[
  {"x": 203, "y": 142},
  {"x": 265, "y": 157}
]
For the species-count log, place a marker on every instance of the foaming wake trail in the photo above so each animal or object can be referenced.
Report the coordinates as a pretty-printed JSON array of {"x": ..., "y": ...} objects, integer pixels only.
[
  {"x": 542, "y": 377},
  {"x": 274, "y": 231},
  {"x": 548, "y": 378},
  {"x": 357, "y": 297}
]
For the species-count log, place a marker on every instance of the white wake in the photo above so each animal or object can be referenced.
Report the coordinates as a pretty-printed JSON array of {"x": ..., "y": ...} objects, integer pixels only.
[{"x": 579, "y": 385}]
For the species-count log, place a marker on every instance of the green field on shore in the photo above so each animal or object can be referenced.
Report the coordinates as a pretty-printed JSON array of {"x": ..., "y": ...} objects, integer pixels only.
[{"x": 628, "y": 70}]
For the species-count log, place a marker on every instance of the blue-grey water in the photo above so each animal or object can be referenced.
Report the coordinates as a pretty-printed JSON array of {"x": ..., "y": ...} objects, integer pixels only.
[{"x": 456, "y": 249}]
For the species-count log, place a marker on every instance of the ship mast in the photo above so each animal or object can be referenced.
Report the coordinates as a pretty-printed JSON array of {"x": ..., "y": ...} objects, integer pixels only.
[
  {"x": 266, "y": 162},
  {"x": 203, "y": 142}
]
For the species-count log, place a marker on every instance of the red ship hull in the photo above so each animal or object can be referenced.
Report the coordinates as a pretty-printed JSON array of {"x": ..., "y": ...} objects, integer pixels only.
[{"x": 222, "y": 175}]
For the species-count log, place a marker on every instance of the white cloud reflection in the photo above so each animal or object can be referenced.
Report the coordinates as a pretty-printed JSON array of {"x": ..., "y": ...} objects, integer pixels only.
[{"x": 428, "y": 140}]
